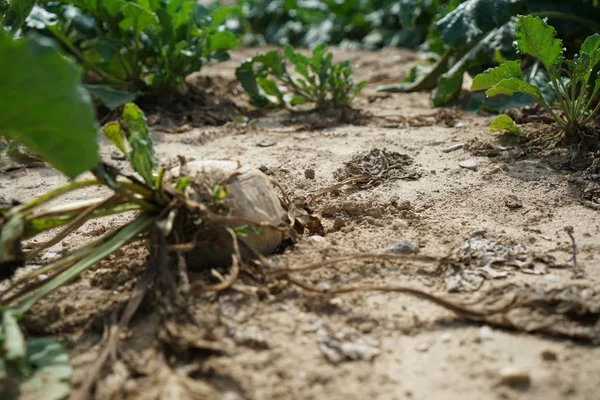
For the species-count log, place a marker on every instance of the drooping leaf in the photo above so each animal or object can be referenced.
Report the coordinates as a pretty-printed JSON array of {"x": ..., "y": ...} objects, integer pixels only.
[
  {"x": 490, "y": 77},
  {"x": 115, "y": 135},
  {"x": 449, "y": 84},
  {"x": 58, "y": 122},
  {"x": 423, "y": 79},
  {"x": 505, "y": 123},
  {"x": 110, "y": 97},
  {"x": 13, "y": 346},
  {"x": 513, "y": 85},
  {"x": 538, "y": 39},
  {"x": 141, "y": 155}
]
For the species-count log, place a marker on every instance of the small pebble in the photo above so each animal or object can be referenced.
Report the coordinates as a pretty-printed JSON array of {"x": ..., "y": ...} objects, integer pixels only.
[
  {"x": 423, "y": 347},
  {"x": 446, "y": 337},
  {"x": 403, "y": 247},
  {"x": 486, "y": 333},
  {"x": 514, "y": 376},
  {"x": 549, "y": 355},
  {"x": 468, "y": 164},
  {"x": 399, "y": 225},
  {"x": 317, "y": 239},
  {"x": 513, "y": 202},
  {"x": 552, "y": 278},
  {"x": 459, "y": 125},
  {"x": 309, "y": 173}
]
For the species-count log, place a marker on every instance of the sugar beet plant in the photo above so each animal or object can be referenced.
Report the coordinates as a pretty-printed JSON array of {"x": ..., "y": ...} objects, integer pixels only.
[
  {"x": 318, "y": 82},
  {"x": 575, "y": 84},
  {"x": 58, "y": 124},
  {"x": 128, "y": 45}
]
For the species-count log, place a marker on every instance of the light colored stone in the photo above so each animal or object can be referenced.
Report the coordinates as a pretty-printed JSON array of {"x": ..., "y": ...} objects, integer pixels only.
[{"x": 469, "y": 164}]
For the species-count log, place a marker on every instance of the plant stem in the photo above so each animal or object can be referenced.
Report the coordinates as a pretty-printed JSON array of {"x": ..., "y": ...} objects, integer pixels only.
[
  {"x": 71, "y": 186},
  {"x": 45, "y": 222},
  {"x": 67, "y": 43},
  {"x": 111, "y": 243}
]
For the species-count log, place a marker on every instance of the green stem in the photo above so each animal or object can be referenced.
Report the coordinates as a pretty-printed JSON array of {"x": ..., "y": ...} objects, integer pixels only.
[
  {"x": 589, "y": 103},
  {"x": 40, "y": 224},
  {"x": 591, "y": 115},
  {"x": 111, "y": 243},
  {"x": 67, "y": 43},
  {"x": 71, "y": 186}
]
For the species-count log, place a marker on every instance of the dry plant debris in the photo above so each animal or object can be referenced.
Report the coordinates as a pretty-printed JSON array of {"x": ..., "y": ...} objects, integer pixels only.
[
  {"x": 480, "y": 258},
  {"x": 377, "y": 166}
]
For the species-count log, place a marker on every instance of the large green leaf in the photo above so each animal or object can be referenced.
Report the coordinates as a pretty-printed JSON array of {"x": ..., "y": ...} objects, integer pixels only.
[
  {"x": 490, "y": 77},
  {"x": 43, "y": 106},
  {"x": 513, "y": 85},
  {"x": 474, "y": 18},
  {"x": 538, "y": 39}
]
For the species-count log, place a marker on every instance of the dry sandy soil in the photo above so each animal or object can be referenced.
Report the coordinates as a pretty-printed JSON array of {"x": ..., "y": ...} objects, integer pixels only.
[{"x": 496, "y": 229}]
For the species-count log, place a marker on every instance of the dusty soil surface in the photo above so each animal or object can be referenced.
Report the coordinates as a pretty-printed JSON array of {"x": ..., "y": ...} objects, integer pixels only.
[{"x": 497, "y": 221}]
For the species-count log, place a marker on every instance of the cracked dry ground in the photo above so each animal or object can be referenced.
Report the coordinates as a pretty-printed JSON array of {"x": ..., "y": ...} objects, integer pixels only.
[{"x": 500, "y": 219}]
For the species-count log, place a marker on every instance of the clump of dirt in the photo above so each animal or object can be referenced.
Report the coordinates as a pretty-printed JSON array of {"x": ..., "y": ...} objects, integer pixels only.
[{"x": 378, "y": 166}]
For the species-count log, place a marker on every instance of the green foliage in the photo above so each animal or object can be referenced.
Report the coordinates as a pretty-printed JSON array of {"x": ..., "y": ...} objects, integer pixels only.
[
  {"x": 575, "y": 88},
  {"x": 505, "y": 123},
  {"x": 479, "y": 34},
  {"x": 370, "y": 24},
  {"x": 32, "y": 369},
  {"x": 134, "y": 45},
  {"x": 318, "y": 81},
  {"x": 134, "y": 130},
  {"x": 43, "y": 105}
]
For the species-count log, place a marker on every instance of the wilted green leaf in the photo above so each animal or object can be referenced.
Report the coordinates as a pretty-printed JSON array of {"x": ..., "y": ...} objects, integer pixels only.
[
  {"x": 504, "y": 122},
  {"x": 110, "y": 97},
  {"x": 536, "y": 38},
  {"x": 13, "y": 344},
  {"x": 492, "y": 76},
  {"x": 115, "y": 135},
  {"x": 141, "y": 155},
  {"x": 182, "y": 183},
  {"x": 513, "y": 85},
  {"x": 58, "y": 122}
]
